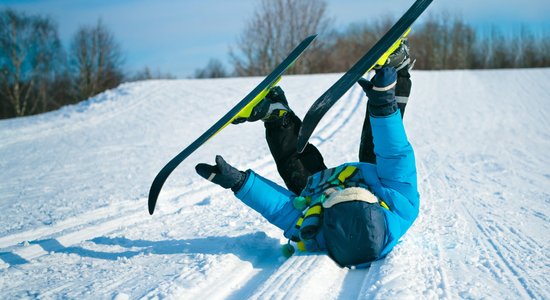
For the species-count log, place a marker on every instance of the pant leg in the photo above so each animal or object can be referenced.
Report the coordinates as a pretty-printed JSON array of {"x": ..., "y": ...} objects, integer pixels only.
[
  {"x": 366, "y": 146},
  {"x": 294, "y": 167},
  {"x": 402, "y": 92},
  {"x": 403, "y": 89}
]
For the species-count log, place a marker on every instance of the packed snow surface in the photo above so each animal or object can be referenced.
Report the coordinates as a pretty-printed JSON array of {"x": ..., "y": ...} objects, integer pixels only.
[{"x": 74, "y": 186}]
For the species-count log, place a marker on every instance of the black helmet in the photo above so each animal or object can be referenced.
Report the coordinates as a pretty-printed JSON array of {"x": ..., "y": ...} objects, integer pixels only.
[{"x": 354, "y": 229}]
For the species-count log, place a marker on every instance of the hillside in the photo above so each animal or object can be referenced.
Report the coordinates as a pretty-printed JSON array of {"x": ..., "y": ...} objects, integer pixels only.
[{"x": 74, "y": 185}]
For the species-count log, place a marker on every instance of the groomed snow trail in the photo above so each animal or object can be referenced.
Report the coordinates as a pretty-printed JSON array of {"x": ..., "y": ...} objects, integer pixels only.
[{"x": 74, "y": 195}]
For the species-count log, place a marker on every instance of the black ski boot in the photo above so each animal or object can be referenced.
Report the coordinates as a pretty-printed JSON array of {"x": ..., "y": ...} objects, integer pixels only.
[
  {"x": 400, "y": 58},
  {"x": 272, "y": 108}
]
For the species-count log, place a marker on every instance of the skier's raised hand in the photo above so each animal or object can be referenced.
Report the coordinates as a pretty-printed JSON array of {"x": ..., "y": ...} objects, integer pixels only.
[
  {"x": 381, "y": 92},
  {"x": 222, "y": 174}
]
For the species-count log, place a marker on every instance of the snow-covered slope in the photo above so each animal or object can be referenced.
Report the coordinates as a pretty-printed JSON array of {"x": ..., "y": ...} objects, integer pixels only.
[{"x": 74, "y": 184}]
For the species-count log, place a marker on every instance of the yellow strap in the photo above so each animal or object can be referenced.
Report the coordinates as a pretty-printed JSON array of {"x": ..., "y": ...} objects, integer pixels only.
[
  {"x": 346, "y": 173},
  {"x": 299, "y": 223},
  {"x": 384, "y": 205},
  {"x": 314, "y": 210},
  {"x": 301, "y": 246}
]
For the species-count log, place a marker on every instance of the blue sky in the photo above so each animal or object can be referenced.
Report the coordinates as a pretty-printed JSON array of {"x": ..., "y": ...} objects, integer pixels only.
[{"x": 180, "y": 36}]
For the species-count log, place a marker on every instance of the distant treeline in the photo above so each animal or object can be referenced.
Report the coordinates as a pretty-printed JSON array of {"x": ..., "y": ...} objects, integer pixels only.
[
  {"x": 437, "y": 42},
  {"x": 442, "y": 43},
  {"x": 37, "y": 74}
]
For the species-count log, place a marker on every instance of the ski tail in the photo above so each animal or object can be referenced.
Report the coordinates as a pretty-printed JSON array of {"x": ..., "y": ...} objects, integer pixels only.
[
  {"x": 242, "y": 109},
  {"x": 367, "y": 62}
]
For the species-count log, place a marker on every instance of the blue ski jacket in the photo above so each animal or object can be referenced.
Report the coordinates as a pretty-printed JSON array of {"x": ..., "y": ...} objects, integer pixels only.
[{"x": 392, "y": 179}]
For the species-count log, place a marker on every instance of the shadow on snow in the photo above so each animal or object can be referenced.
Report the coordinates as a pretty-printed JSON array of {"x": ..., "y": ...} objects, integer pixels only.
[{"x": 247, "y": 247}]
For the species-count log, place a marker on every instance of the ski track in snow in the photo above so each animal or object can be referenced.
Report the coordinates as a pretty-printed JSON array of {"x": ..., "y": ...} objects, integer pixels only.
[{"x": 75, "y": 185}]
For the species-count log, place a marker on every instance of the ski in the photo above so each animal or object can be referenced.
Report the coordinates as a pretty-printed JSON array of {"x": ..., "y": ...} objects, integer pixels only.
[
  {"x": 379, "y": 52},
  {"x": 242, "y": 109}
]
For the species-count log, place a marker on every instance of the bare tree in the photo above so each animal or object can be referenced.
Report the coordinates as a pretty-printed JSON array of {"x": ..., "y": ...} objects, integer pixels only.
[
  {"x": 445, "y": 42},
  {"x": 49, "y": 61},
  {"x": 276, "y": 27},
  {"x": 426, "y": 44},
  {"x": 30, "y": 53},
  {"x": 533, "y": 48},
  {"x": 463, "y": 41},
  {"x": 214, "y": 69},
  {"x": 503, "y": 50},
  {"x": 96, "y": 59},
  {"x": 343, "y": 49},
  {"x": 147, "y": 74},
  {"x": 544, "y": 50}
]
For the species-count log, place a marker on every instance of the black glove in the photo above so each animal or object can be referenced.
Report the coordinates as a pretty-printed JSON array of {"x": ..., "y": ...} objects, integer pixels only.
[
  {"x": 381, "y": 92},
  {"x": 222, "y": 173}
]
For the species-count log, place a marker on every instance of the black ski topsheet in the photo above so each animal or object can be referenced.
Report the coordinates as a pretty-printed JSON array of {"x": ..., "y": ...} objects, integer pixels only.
[
  {"x": 271, "y": 79},
  {"x": 338, "y": 89}
]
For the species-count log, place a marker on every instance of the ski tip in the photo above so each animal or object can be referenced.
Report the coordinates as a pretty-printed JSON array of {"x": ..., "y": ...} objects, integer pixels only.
[
  {"x": 310, "y": 38},
  {"x": 157, "y": 184},
  {"x": 151, "y": 207},
  {"x": 152, "y": 201}
]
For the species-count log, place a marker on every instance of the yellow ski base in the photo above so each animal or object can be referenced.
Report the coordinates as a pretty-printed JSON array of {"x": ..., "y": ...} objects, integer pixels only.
[{"x": 247, "y": 110}]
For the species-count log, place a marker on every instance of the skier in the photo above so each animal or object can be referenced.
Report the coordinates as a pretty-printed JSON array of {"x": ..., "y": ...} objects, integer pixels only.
[{"x": 357, "y": 211}]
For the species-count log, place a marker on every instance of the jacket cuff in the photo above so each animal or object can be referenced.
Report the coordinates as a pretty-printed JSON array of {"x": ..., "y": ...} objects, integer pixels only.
[
  {"x": 388, "y": 113},
  {"x": 245, "y": 187}
]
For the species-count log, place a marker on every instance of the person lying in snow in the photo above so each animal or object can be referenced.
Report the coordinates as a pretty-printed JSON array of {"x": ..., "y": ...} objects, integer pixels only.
[{"x": 357, "y": 211}]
